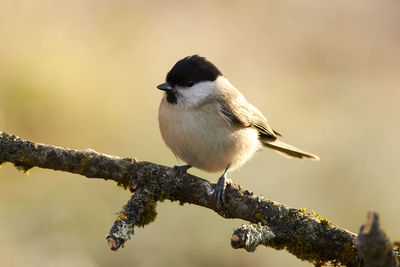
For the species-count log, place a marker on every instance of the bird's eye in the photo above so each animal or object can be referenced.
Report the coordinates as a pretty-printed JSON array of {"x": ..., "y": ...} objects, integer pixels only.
[{"x": 190, "y": 83}]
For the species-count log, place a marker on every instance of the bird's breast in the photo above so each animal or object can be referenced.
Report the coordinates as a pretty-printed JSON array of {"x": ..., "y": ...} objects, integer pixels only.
[{"x": 203, "y": 138}]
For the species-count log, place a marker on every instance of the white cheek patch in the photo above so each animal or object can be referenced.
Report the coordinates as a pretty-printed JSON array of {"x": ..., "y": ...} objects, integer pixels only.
[{"x": 189, "y": 96}]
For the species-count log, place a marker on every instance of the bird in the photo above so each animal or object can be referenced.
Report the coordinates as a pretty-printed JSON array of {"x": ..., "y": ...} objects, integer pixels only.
[{"x": 207, "y": 123}]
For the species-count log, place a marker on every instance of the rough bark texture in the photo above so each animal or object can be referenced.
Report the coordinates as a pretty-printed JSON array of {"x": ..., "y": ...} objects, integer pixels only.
[
  {"x": 250, "y": 236},
  {"x": 375, "y": 248},
  {"x": 304, "y": 234}
]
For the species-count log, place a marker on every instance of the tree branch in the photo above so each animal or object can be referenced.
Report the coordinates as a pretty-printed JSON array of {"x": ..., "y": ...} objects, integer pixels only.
[
  {"x": 375, "y": 248},
  {"x": 306, "y": 235}
]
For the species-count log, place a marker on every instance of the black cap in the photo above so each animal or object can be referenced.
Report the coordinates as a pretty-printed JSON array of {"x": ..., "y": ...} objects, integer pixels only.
[{"x": 191, "y": 70}]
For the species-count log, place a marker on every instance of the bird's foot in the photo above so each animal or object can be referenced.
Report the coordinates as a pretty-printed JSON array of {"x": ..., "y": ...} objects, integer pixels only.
[
  {"x": 219, "y": 193},
  {"x": 179, "y": 170}
]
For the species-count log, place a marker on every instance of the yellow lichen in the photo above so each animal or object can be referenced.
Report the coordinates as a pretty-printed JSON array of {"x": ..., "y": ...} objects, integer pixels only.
[
  {"x": 24, "y": 168},
  {"x": 122, "y": 185},
  {"x": 346, "y": 254},
  {"x": 258, "y": 215},
  {"x": 121, "y": 216},
  {"x": 86, "y": 160},
  {"x": 25, "y": 163},
  {"x": 323, "y": 221}
]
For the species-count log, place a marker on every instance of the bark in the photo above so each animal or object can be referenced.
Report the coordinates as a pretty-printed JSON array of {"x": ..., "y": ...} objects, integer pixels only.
[{"x": 375, "y": 248}]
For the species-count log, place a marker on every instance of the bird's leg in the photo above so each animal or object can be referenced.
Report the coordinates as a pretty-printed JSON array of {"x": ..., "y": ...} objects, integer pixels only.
[
  {"x": 179, "y": 170},
  {"x": 220, "y": 187}
]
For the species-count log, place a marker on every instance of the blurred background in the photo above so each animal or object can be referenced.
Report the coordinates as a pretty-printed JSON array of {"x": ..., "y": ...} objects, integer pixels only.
[{"x": 82, "y": 74}]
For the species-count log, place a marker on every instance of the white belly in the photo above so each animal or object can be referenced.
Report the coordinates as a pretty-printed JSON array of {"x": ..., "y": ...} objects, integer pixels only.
[{"x": 206, "y": 141}]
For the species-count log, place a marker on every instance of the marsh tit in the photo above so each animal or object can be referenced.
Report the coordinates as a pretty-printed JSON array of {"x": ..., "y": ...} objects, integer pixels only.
[{"x": 208, "y": 123}]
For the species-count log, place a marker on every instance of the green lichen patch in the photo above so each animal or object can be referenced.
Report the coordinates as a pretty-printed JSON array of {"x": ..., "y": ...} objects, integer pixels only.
[
  {"x": 258, "y": 215},
  {"x": 304, "y": 250},
  {"x": 122, "y": 185},
  {"x": 301, "y": 248},
  {"x": 86, "y": 160},
  {"x": 125, "y": 182},
  {"x": 346, "y": 254},
  {"x": 22, "y": 167},
  {"x": 163, "y": 195},
  {"x": 149, "y": 214}
]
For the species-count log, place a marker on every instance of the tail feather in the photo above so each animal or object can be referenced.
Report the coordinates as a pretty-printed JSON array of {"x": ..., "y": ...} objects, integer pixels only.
[{"x": 289, "y": 150}]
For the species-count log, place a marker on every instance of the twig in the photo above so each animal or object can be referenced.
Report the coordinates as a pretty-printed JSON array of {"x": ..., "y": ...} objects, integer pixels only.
[
  {"x": 250, "y": 236},
  {"x": 375, "y": 248}
]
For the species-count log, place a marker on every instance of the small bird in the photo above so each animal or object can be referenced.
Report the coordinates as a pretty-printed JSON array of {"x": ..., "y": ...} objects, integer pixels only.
[{"x": 208, "y": 123}]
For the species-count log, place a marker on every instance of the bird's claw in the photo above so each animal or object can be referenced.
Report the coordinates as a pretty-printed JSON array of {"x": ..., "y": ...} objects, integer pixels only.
[{"x": 219, "y": 193}]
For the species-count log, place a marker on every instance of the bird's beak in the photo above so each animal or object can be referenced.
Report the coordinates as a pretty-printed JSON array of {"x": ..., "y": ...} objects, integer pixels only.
[{"x": 164, "y": 87}]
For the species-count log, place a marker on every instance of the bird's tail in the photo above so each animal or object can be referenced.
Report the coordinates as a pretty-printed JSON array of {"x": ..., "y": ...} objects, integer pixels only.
[{"x": 288, "y": 150}]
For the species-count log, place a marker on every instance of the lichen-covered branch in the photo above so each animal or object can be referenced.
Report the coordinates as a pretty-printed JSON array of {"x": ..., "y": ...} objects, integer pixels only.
[
  {"x": 375, "y": 248},
  {"x": 304, "y": 234},
  {"x": 250, "y": 236},
  {"x": 139, "y": 211}
]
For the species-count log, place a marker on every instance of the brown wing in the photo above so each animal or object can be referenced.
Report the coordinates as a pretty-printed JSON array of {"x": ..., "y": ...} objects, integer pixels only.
[{"x": 237, "y": 110}]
